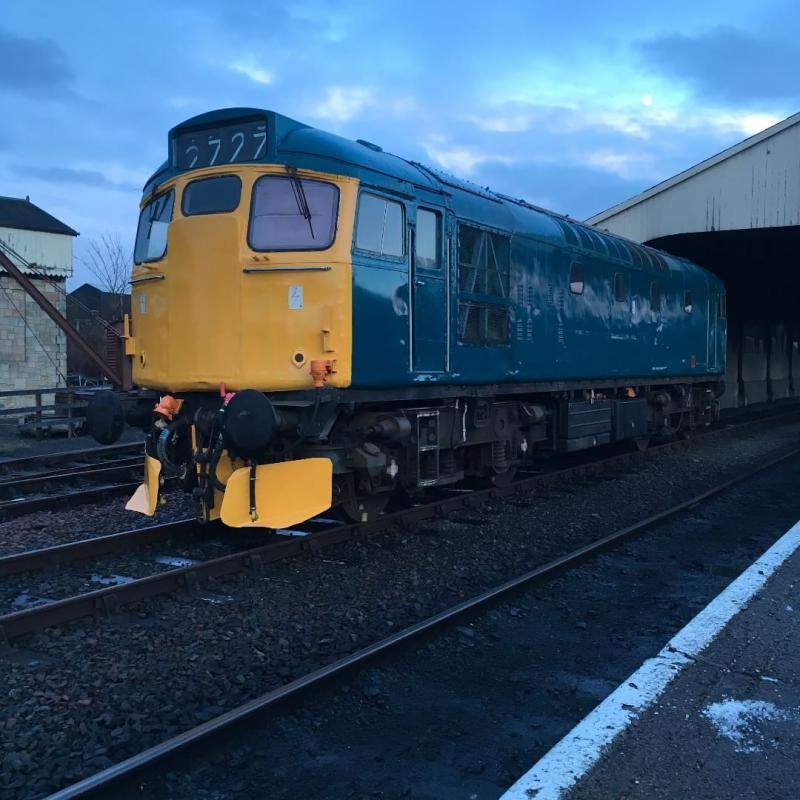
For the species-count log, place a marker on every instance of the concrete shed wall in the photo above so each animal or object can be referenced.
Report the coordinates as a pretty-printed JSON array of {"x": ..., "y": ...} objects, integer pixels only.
[{"x": 755, "y": 184}]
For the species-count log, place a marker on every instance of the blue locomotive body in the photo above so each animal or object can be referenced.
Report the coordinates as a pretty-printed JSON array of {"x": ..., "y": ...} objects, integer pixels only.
[
  {"x": 313, "y": 301},
  {"x": 518, "y": 295},
  {"x": 492, "y": 300}
]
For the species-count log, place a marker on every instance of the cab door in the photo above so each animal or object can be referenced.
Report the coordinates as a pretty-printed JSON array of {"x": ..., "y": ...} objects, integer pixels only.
[{"x": 428, "y": 281}]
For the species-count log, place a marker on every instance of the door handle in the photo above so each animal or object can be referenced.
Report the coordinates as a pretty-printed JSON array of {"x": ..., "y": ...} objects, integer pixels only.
[{"x": 419, "y": 283}]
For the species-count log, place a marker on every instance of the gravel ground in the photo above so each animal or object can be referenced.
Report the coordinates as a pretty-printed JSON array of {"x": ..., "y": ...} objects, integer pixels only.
[
  {"x": 464, "y": 714},
  {"x": 48, "y": 528},
  {"x": 32, "y": 588},
  {"x": 89, "y": 694}
]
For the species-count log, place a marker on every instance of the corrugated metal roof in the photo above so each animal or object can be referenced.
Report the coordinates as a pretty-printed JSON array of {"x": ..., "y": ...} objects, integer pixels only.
[
  {"x": 17, "y": 212},
  {"x": 702, "y": 166}
]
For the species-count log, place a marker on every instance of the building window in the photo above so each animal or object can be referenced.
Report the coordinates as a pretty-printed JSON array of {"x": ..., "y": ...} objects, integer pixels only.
[
  {"x": 216, "y": 195},
  {"x": 655, "y": 296},
  {"x": 427, "y": 239},
  {"x": 483, "y": 273},
  {"x": 576, "y": 278},
  {"x": 289, "y": 213},
  {"x": 620, "y": 289},
  {"x": 687, "y": 301},
  {"x": 379, "y": 227}
]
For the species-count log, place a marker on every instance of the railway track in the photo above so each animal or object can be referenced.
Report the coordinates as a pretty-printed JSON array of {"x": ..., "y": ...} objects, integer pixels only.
[
  {"x": 310, "y": 537},
  {"x": 395, "y": 643},
  {"x": 47, "y": 481}
]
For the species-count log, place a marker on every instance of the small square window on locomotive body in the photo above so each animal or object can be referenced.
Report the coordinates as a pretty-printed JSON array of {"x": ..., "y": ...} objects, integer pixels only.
[
  {"x": 620, "y": 289},
  {"x": 655, "y": 296},
  {"x": 219, "y": 194},
  {"x": 427, "y": 245},
  {"x": 687, "y": 301},
  {"x": 576, "y": 282}
]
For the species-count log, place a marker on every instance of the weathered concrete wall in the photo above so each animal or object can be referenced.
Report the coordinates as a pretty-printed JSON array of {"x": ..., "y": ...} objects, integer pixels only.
[
  {"x": 33, "y": 349},
  {"x": 751, "y": 185}
]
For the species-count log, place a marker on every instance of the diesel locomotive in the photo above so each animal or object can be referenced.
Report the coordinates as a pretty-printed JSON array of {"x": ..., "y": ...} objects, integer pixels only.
[{"x": 316, "y": 322}]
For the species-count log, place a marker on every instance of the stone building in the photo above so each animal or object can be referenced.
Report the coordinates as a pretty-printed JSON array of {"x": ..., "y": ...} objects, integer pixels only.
[{"x": 33, "y": 350}]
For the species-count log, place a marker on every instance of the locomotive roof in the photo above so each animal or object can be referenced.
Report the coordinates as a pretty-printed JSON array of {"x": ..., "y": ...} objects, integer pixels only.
[{"x": 301, "y": 145}]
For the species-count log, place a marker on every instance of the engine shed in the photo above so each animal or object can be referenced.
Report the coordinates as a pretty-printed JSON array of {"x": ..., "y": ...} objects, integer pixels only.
[{"x": 737, "y": 214}]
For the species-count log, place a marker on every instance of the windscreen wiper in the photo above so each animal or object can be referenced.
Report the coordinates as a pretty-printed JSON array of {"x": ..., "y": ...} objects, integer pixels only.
[
  {"x": 154, "y": 209},
  {"x": 300, "y": 196}
]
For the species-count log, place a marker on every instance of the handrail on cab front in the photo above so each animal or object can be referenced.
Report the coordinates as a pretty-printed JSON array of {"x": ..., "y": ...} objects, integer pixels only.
[
  {"x": 248, "y": 270},
  {"x": 144, "y": 278}
]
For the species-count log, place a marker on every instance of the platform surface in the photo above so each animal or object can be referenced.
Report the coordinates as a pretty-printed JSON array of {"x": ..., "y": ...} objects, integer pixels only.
[{"x": 716, "y": 714}]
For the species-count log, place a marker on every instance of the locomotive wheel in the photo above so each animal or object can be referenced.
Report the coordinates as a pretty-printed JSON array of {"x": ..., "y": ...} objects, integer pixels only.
[
  {"x": 365, "y": 509},
  {"x": 504, "y": 478}
]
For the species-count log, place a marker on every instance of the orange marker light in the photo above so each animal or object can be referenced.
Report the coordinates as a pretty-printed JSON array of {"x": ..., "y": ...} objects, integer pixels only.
[
  {"x": 168, "y": 406},
  {"x": 320, "y": 369}
]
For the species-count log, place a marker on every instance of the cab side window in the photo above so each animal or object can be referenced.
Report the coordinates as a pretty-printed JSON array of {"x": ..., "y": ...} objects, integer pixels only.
[{"x": 380, "y": 226}]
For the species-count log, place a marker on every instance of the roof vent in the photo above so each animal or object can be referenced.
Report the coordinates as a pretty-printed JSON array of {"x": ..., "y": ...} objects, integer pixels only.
[{"x": 377, "y": 148}]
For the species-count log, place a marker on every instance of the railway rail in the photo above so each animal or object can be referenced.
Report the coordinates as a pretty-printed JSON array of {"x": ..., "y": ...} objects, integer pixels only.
[
  {"x": 109, "y": 599},
  {"x": 45, "y": 557},
  {"x": 46, "y": 481},
  {"x": 295, "y": 689}
]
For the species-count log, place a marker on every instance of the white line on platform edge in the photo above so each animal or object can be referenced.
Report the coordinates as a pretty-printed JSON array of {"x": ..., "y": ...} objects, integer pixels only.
[{"x": 571, "y": 758}]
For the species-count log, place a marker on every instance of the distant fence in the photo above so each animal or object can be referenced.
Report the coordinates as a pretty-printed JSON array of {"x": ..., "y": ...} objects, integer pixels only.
[{"x": 58, "y": 408}]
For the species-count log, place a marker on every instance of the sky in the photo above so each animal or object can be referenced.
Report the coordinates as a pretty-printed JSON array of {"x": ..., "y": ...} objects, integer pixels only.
[{"x": 573, "y": 106}]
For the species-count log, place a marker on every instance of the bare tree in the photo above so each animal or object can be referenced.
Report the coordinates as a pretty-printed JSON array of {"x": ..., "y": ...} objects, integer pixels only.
[{"x": 110, "y": 262}]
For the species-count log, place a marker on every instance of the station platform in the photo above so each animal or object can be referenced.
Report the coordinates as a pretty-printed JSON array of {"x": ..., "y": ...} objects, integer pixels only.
[{"x": 716, "y": 714}]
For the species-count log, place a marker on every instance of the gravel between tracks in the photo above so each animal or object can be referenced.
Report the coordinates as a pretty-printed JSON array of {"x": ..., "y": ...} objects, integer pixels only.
[
  {"x": 79, "y": 698},
  {"x": 48, "y": 528}
]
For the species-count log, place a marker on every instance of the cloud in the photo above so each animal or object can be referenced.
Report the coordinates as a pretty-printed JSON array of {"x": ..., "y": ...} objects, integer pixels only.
[
  {"x": 342, "y": 103},
  {"x": 518, "y": 117},
  {"x": 625, "y": 165},
  {"x": 727, "y": 64},
  {"x": 575, "y": 189},
  {"x": 249, "y": 68},
  {"x": 643, "y": 122},
  {"x": 461, "y": 159},
  {"x": 84, "y": 177},
  {"x": 33, "y": 66}
]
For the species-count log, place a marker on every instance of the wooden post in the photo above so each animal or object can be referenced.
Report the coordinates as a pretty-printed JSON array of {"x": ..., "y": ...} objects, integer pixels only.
[
  {"x": 70, "y": 398},
  {"x": 38, "y": 414}
]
